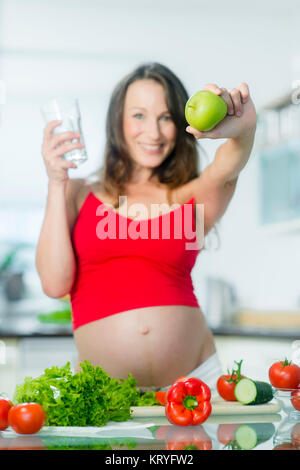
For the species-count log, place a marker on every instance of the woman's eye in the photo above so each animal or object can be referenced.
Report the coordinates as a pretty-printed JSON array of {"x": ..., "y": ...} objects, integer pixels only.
[{"x": 140, "y": 115}]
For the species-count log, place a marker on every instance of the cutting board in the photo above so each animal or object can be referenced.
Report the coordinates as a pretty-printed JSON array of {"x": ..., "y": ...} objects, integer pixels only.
[{"x": 219, "y": 407}]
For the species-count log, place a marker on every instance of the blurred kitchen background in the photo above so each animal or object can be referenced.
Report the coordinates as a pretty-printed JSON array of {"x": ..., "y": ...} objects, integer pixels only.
[{"x": 247, "y": 279}]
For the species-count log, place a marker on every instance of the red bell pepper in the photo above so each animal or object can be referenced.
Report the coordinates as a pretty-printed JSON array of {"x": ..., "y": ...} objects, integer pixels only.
[
  {"x": 188, "y": 438},
  {"x": 188, "y": 402}
]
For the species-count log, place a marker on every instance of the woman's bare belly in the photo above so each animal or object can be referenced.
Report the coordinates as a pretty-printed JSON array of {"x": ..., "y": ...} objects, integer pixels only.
[{"x": 155, "y": 344}]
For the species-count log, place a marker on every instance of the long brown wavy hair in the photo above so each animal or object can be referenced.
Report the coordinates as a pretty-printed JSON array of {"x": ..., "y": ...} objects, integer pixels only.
[{"x": 181, "y": 165}]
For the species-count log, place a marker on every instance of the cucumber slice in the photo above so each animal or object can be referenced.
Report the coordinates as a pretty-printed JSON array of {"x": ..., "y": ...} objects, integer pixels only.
[
  {"x": 246, "y": 437},
  {"x": 250, "y": 392}
]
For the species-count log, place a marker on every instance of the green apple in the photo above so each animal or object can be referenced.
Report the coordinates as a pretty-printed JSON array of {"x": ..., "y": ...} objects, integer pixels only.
[{"x": 204, "y": 110}]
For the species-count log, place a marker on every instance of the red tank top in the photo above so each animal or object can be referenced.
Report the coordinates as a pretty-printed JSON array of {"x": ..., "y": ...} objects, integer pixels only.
[{"x": 124, "y": 264}]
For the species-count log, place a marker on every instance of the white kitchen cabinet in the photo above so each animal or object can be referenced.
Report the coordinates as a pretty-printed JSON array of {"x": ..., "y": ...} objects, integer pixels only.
[
  {"x": 22, "y": 357},
  {"x": 258, "y": 353},
  {"x": 9, "y": 365},
  {"x": 37, "y": 354}
]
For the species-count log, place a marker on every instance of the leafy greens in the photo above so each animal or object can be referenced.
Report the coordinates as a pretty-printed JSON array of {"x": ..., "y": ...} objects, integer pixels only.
[{"x": 88, "y": 398}]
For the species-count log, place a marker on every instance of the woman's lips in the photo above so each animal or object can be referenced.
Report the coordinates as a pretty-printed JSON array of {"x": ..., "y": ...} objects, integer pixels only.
[{"x": 152, "y": 149}]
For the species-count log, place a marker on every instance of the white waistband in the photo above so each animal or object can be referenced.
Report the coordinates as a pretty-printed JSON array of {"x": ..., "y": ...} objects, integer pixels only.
[{"x": 208, "y": 372}]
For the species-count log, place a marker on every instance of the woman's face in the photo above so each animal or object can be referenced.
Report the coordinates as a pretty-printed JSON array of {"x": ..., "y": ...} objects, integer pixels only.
[{"x": 149, "y": 131}]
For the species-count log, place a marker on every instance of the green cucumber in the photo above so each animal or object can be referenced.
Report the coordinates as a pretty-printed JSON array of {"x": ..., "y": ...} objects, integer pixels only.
[
  {"x": 248, "y": 436},
  {"x": 253, "y": 392}
]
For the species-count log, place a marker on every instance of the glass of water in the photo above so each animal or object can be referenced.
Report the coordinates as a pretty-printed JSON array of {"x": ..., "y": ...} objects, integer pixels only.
[{"x": 68, "y": 112}]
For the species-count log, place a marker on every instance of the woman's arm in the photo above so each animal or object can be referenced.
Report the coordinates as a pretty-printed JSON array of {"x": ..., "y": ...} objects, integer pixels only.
[
  {"x": 214, "y": 193},
  {"x": 55, "y": 259},
  {"x": 232, "y": 156},
  {"x": 216, "y": 185}
]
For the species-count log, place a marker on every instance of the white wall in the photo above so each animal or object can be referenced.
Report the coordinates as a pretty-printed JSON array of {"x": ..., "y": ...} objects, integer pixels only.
[{"x": 82, "y": 48}]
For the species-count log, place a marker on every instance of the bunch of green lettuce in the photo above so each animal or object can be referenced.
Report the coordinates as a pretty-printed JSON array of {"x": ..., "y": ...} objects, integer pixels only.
[
  {"x": 146, "y": 399},
  {"x": 88, "y": 398}
]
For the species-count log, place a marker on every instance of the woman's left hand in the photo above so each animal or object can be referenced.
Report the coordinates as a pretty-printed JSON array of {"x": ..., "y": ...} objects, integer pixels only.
[{"x": 241, "y": 114}]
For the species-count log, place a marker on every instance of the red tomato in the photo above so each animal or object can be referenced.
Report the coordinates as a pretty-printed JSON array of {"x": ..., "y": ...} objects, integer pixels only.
[
  {"x": 284, "y": 374},
  {"x": 4, "y": 443},
  {"x": 226, "y": 432},
  {"x": 286, "y": 446},
  {"x": 161, "y": 397},
  {"x": 26, "y": 418},
  {"x": 27, "y": 443},
  {"x": 226, "y": 383},
  {"x": 5, "y": 406},
  {"x": 296, "y": 435},
  {"x": 226, "y": 387},
  {"x": 295, "y": 400}
]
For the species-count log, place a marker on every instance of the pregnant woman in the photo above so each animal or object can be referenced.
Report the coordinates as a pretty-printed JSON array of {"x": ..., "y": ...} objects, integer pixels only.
[{"x": 133, "y": 304}]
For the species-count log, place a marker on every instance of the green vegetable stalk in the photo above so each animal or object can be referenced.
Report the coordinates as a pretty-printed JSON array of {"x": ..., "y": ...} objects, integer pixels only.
[
  {"x": 58, "y": 316},
  {"x": 88, "y": 398}
]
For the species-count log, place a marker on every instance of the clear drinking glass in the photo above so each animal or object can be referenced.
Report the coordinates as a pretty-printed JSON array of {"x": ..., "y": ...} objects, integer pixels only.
[{"x": 68, "y": 112}]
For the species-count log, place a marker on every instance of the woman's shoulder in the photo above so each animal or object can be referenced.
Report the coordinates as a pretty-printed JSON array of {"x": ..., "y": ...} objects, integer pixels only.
[
  {"x": 79, "y": 188},
  {"x": 184, "y": 193},
  {"x": 82, "y": 187}
]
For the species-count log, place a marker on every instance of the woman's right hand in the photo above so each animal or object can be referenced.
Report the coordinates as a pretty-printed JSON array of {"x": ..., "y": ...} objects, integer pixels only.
[{"x": 54, "y": 146}]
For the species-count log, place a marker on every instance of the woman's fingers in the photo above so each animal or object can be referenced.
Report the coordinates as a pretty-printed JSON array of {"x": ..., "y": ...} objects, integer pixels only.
[
  {"x": 57, "y": 164},
  {"x": 53, "y": 149},
  {"x": 53, "y": 156},
  {"x": 214, "y": 88},
  {"x": 51, "y": 140},
  {"x": 237, "y": 101},
  {"x": 62, "y": 137},
  {"x": 224, "y": 94},
  {"x": 239, "y": 96},
  {"x": 65, "y": 164},
  {"x": 213, "y": 134},
  {"x": 49, "y": 128},
  {"x": 227, "y": 98},
  {"x": 244, "y": 89},
  {"x": 66, "y": 147},
  {"x": 197, "y": 134}
]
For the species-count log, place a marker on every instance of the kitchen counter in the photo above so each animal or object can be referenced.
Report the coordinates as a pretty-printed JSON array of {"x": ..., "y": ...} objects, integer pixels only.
[
  {"x": 257, "y": 331},
  {"x": 260, "y": 432},
  {"x": 23, "y": 326}
]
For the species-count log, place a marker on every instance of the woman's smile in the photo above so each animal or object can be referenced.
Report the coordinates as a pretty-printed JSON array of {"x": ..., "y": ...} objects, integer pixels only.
[{"x": 152, "y": 149}]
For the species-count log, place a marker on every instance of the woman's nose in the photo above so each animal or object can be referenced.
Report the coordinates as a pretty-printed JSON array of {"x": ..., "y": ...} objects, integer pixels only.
[{"x": 153, "y": 129}]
